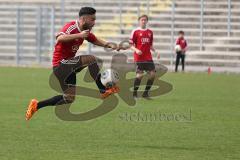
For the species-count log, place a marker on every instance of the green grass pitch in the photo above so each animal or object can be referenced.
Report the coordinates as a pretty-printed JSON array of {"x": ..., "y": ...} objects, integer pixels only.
[{"x": 211, "y": 131}]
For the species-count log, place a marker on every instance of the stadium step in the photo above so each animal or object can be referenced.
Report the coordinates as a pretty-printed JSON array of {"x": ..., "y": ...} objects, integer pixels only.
[{"x": 187, "y": 18}]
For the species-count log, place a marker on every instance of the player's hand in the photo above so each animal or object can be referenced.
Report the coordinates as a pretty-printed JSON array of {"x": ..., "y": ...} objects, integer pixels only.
[
  {"x": 112, "y": 46},
  {"x": 183, "y": 51},
  {"x": 158, "y": 55},
  {"x": 122, "y": 48},
  {"x": 138, "y": 52},
  {"x": 84, "y": 34},
  {"x": 118, "y": 48}
]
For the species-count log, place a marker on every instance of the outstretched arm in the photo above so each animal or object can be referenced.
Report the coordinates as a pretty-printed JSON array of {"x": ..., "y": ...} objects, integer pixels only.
[
  {"x": 103, "y": 43},
  {"x": 70, "y": 37}
]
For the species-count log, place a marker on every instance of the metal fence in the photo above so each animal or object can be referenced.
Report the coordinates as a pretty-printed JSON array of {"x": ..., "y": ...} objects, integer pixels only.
[
  {"x": 43, "y": 25},
  {"x": 37, "y": 26}
]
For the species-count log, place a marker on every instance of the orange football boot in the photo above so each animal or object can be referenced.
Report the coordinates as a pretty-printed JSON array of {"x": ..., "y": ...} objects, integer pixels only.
[
  {"x": 32, "y": 108},
  {"x": 109, "y": 91}
]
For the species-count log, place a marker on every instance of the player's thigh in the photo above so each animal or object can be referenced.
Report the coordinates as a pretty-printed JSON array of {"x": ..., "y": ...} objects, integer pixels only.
[
  {"x": 139, "y": 70},
  {"x": 178, "y": 56},
  {"x": 183, "y": 57},
  {"x": 66, "y": 78},
  {"x": 152, "y": 74},
  {"x": 139, "y": 75},
  {"x": 70, "y": 88},
  {"x": 86, "y": 60},
  {"x": 78, "y": 63},
  {"x": 149, "y": 66}
]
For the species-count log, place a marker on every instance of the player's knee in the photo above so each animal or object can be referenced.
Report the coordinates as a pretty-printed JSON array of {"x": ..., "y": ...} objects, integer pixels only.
[
  {"x": 69, "y": 98},
  {"x": 139, "y": 76},
  {"x": 152, "y": 75},
  {"x": 92, "y": 59}
]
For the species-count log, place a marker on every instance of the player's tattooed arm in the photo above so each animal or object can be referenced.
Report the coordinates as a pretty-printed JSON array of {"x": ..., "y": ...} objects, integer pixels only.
[{"x": 71, "y": 37}]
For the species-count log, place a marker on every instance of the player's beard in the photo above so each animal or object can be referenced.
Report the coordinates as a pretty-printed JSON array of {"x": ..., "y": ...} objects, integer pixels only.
[{"x": 86, "y": 26}]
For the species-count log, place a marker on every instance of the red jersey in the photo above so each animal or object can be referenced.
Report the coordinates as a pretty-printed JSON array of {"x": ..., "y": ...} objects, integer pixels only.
[
  {"x": 67, "y": 50},
  {"x": 142, "y": 39},
  {"x": 182, "y": 42}
]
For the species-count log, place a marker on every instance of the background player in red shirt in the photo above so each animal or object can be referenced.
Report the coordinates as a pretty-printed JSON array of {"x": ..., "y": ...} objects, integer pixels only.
[
  {"x": 66, "y": 64},
  {"x": 142, "y": 44},
  {"x": 182, "y": 52}
]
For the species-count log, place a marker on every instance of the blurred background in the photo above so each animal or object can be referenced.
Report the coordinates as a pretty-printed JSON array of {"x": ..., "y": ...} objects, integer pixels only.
[{"x": 212, "y": 29}]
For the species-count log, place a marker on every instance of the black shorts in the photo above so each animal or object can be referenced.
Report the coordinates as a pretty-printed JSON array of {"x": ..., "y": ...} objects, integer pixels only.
[
  {"x": 66, "y": 72},
  {"x": 147, "y": 66}
]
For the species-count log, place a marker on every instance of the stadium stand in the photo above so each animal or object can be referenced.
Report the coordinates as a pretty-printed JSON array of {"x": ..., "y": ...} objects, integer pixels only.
[{"x": 220, "y": 47}]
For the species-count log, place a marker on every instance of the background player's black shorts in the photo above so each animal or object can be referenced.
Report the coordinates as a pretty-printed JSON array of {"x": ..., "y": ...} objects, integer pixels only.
[{"x": 147, "y": 66}]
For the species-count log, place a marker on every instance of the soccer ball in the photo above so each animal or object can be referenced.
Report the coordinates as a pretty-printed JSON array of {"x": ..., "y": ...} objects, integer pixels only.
[
  {"x": 178, "y": 48},
  {"x": 109, "y": 78}
]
